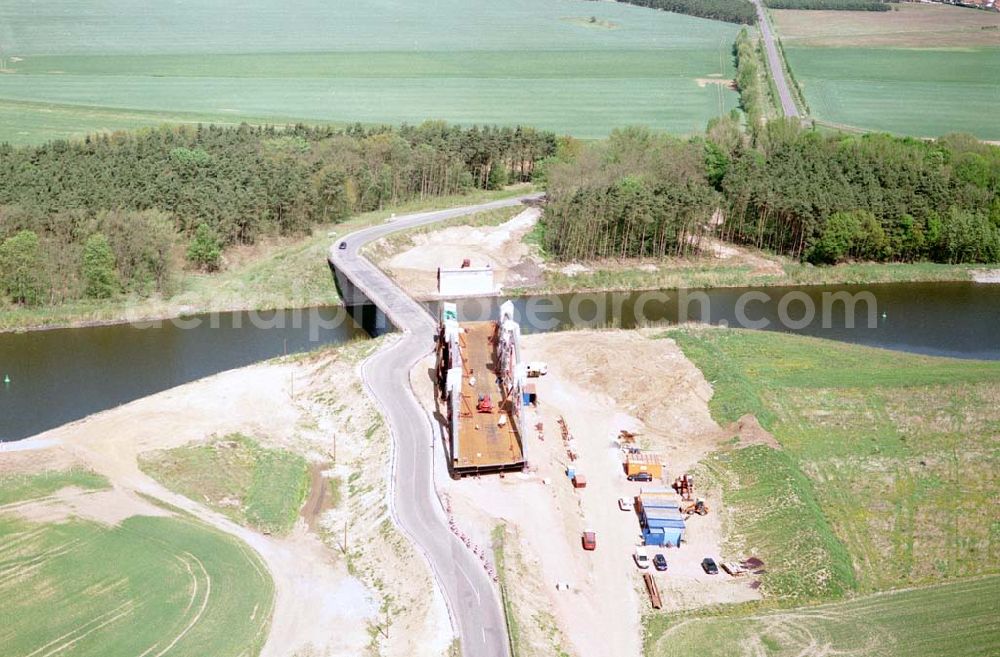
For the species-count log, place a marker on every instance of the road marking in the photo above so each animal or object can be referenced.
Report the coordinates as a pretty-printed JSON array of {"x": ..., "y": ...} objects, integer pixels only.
[{"x": 474, "y": 588}]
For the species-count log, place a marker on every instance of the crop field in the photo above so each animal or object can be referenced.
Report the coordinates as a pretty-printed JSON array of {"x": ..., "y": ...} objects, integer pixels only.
[
  {"x": 150, "y": 586},
  {"x": 957, "y": 619},
  {"x": 920, "y": 70},
  {"x": 541, "y": 63},
  {"x": 889, "y": 461},
  {"x": 258, "y": 487}
]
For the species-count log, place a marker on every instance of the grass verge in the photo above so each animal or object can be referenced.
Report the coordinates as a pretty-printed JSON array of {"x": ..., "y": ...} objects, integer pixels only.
[
  {"x": 255, "y": 486},
  {"x": 21, "y": 487},
  {"x": 672, "y": 273}
]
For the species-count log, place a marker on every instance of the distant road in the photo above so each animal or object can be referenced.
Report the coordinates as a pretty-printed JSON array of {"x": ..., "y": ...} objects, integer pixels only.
[
  {"x": 774, "y": 62},
  {"x": 471, "y": 596}
]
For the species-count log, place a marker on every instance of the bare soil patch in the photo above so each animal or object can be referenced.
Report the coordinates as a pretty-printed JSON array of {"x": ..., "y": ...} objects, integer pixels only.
[
  {"x": 909, "y": 25},
  {"x": 703, "y": 82},
  {"x": 108, "y": 507},
  {"x": 986, "y": 276},
  {"x": 515, "y": 264}
]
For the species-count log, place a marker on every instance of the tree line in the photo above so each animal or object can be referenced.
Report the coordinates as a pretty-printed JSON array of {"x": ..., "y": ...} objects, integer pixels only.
[
  {"x": 730, "y": 11},
  {"x": 786, "y": 189},
  {"x": 842, "y": 5},
  {"x": 751, "y": 74},
  {"x": 118, "y": 213}
]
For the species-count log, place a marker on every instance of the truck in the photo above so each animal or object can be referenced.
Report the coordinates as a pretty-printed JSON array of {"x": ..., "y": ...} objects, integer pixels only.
[{"x": 537, "y": 368}]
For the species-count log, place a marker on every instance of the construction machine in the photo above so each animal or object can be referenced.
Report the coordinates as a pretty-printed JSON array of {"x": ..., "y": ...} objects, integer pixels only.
[{"x": 696, "y": 507}]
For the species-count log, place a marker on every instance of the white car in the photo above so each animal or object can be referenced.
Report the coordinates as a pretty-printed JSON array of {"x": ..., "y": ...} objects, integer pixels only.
[
  {"x": 623, "y": 504},
  {"x": 641, "y": 557}
]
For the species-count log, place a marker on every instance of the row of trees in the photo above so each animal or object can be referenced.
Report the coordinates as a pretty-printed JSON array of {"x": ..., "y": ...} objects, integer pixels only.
[
  {"x": 786, "y": 189},
  {"x": 159, "y": 195},
  {"x": 843, "y": 5},
  {"x": 750, "y": 79},
  {"x": 731, "y": 11}
]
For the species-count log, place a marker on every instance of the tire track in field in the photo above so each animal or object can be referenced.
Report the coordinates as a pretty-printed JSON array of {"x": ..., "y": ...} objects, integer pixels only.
[
  {"x": 23, "y": 569},
  {"x": 196, "y": 588},
  {"x": 54, "y": 647}
]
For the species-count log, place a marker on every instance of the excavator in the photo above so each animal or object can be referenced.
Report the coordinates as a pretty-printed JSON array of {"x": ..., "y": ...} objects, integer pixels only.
[{"x": 696, "y": 507}]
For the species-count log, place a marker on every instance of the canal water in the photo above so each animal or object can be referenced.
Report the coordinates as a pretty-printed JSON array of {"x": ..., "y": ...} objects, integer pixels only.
[
  {"x": 959, "y": 320},
  {"x": 62, "y": 375}
]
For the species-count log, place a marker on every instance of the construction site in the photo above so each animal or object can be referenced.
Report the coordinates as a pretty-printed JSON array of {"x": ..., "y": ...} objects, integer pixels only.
[
  {"x": 482, "y": 381},
  {"x": 603, "y": 500}
]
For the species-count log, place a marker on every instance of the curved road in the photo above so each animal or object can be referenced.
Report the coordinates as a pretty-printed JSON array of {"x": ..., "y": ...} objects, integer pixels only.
[
  {"x": 774, "y": 62},
  {"x": 472, "y": 599}
]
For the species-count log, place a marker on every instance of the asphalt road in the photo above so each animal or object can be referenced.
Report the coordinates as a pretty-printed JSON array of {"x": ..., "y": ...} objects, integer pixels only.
[
  {"x": 774, "y": 62},
  {"x": 473, "y": 600}
]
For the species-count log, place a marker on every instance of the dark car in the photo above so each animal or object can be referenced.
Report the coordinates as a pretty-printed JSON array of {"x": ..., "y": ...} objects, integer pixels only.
[
  {"x": 660, "y": 562},
  {"x": 640, "y": 476},
  {"x": 343, "y": 245},
  {"x": 708, "y": 565}
]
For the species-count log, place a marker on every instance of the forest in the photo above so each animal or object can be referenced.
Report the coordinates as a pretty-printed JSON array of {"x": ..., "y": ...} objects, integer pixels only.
[
  {"x": 841, "y": 5},
  {"x": 783, "y": 188},
  {"x": 731, "y": 11},
  {"x": 110, "y": 214}
]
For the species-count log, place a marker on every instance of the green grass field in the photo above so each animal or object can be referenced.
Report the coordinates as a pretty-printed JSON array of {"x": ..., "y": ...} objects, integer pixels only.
[
  {"x": 899, "y": 454},
  {"x": 924, "y": 93},
  {"x": 17, "y": 487},
  {"x": 541, "y": 63},
  {"x": 258, "y": 487},
  {"x": 958, "y": 619},
  {"x": 921, "y": 69},
  {"x": 151, "y": 586}
]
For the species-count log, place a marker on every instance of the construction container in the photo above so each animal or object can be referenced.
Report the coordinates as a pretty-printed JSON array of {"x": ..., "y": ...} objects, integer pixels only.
[
  {"x": 644, "y": 462},
  {"x": 529, "y": 396},
  {"x": 663, "y": 536},
  {"x": 661, "y": 520},
  {"x": 579, "y": 481}
]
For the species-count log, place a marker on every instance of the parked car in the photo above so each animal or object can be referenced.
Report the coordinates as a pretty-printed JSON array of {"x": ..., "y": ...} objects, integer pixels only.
[
  {"x": 641, "y": 557},
  {"x": 660, "y": 562},
  {"x": 343, "y": 245},
  {"x": 708, "y": 565},
  {"x": 640, "y": 476},
  {"x": 623, "y": 504},
  {"x": 589, "y": 540}
]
